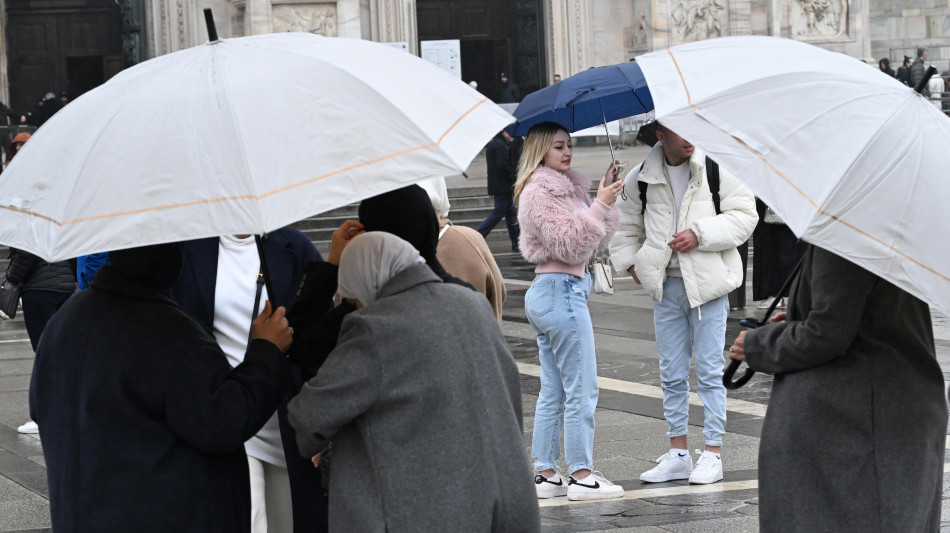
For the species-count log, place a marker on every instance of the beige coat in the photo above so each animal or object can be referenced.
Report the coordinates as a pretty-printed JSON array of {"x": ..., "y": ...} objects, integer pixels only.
[{"x": 465, "y": 254}]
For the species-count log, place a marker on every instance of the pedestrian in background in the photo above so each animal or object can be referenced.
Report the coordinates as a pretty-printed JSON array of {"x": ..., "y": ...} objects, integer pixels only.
[
  {"x": 562, "y": 228},
  {"x": 222, "y": 286},
  {"x": 501, "y": 183},
  {"x": 777, "y": 251},
  {"x": 510, "y": 93},
  {"x": 855, "y": 433},
  {"x": 142, "y": 419},
  {"x": 87, "y": 266},
  {"x": 464, "y": 252},
  {"x": 689, "y": 273},
  {"x": 885, "y": 65},
  {"x": 903, "y": 71},
  {"x": 45, "y": 287},
  {"x": 424, "y": 407},
  {"x": 918, "y": 69}
]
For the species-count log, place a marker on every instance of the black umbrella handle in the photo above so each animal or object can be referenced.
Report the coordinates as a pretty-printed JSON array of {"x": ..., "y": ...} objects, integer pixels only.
[
  {"x": 733, "y": 367},
  {"x": 931, "y": 70},
  {"x": 731, "y": 371}
]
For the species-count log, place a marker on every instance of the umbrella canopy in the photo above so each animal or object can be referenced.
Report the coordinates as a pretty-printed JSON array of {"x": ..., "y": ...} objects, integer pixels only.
[
  {"x": 586, "y": 99},
  {"x": 240, "y": 136},
  {"x": 852, "y": 160}
]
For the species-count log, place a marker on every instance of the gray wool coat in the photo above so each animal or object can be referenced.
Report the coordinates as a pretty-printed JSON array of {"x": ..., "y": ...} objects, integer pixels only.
[
  {"x": 854, "y": 436},
  {"x": 422, "y": 399}
]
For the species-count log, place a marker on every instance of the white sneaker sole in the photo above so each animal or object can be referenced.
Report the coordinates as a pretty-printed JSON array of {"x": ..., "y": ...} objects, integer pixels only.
[
  {"x": 551, "y": 494},
  {"x": 594, "y": 495},
  {"x": 706, "y": 481},
  {"x": 663, "y": 479}
]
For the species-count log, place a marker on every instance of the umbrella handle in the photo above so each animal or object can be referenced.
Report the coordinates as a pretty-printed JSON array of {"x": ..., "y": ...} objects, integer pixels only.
[{"x": 731, "y": 371}]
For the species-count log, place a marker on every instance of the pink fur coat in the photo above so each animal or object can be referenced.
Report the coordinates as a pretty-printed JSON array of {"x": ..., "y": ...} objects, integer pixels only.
[{"x": 561, "y": 225}]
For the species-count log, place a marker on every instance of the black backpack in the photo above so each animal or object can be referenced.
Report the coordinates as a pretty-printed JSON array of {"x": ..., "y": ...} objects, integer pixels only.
[{"x": 712, "y": 177}]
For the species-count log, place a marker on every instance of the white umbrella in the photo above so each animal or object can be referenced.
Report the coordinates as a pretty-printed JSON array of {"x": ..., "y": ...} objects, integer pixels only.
[
  {"x": 237, "y": 136},
  {"x": 853, "y": 161}
]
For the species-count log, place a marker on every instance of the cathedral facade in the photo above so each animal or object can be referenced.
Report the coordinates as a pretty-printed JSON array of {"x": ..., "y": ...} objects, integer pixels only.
[{"x": 532, "y": 40}]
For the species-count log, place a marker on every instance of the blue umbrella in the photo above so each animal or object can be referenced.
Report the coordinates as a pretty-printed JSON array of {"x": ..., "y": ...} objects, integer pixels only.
[{"x": 595, "y": 96}]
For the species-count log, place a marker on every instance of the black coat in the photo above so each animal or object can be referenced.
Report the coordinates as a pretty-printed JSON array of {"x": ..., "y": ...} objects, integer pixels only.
[
  {"x": 510, "y": 93},
  {"x": 142, "y": 419},
  {"x": 776, "y": 252},
  {"x": 287, "y": 252},
  {"x": 496, "y": 158},
  {"x": 855, "y": 433},
  {"x": 36, "y": 274}
]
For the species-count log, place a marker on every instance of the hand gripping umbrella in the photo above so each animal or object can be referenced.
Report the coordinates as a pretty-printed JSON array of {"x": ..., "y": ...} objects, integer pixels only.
[{"x": 237, "y": 136}]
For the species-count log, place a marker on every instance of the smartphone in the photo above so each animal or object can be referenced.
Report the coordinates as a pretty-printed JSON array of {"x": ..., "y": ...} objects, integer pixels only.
[{"x": 621, "y": 172}]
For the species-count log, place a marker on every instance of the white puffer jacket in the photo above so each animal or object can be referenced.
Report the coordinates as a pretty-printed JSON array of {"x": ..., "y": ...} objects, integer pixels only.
[{"x": 714, "y": 267}]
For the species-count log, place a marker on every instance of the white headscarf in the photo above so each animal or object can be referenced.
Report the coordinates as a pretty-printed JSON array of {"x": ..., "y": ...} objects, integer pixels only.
[{"x": 369, "y": 261}]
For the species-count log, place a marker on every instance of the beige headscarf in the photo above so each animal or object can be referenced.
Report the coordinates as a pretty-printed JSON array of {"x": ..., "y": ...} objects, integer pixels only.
[{"x": 369, "y": 261}]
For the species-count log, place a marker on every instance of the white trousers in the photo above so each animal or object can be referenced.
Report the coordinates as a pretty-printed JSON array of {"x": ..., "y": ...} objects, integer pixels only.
[{"x": 271, "y": 506}]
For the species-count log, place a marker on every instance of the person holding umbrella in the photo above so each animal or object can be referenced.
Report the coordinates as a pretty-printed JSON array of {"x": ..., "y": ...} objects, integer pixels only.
[
  {"x": 854, "y": 436},
  {"x": 561, "y": 230},
  {"x": 142, "y": 419}
]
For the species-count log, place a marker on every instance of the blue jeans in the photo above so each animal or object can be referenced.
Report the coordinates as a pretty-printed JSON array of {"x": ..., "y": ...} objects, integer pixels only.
[
  {"x": 556, "y": 305},
  {"x": 504, "y": 208},
  {"x": 681, "y": 333}
]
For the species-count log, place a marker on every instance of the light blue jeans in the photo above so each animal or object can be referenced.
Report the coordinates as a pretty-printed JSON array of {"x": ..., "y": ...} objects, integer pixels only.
[
  {"x": 683, "y": 333},
  {"x": 556, "y": 305}
]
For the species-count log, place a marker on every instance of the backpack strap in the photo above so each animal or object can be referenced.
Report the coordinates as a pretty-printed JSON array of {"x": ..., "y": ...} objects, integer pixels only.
[
  {"x": 712, "y": 178},
  {"x": 643, "y": 196}
]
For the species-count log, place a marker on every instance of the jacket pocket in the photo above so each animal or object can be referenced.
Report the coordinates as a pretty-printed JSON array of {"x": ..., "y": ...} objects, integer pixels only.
[{"x": 539, "y": 300}]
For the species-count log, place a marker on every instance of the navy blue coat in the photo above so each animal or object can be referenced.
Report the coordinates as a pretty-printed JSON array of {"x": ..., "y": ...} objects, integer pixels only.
[
  {"x": 142, "y": 419},
  {"x": 287, "y": 252}
]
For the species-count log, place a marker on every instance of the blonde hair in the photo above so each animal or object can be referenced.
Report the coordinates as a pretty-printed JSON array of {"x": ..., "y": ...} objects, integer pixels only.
[{"x": 536, "y": 145}]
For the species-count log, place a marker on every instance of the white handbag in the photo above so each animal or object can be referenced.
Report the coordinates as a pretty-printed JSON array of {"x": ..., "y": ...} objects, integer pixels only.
[{"x": 602, "y": 274}]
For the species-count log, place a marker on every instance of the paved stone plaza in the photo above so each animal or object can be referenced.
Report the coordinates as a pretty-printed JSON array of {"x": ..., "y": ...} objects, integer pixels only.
[{"x": 630, "y": 426}]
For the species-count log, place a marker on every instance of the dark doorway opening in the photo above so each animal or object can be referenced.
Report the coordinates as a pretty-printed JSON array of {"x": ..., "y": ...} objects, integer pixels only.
[
  {"x": 495, "y": 36},
  {"x": 83, "y": 74}
]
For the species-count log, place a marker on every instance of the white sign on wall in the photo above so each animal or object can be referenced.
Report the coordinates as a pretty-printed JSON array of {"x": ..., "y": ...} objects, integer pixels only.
[
  {"x": 404, "y": 46},
  {"x": 446, "y": 55}
]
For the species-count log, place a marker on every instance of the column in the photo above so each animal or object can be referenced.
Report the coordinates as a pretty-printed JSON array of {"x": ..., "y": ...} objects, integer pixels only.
[{"x": 569, "y": 36}]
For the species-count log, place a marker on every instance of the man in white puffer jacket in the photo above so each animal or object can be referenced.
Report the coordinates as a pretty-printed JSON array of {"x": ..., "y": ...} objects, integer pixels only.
[{"x": 684, "y": 255}]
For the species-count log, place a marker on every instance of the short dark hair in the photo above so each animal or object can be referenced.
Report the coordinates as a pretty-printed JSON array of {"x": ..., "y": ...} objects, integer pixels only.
[{"x": 921, "y": 52}]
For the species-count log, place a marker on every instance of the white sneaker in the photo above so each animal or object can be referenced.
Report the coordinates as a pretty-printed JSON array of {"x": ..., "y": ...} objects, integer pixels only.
[
  {"x": 764, "y": 304},
  {"x": 29, "y": 428},
  {"x": 550, "y": 487},
  {"x": 671, "y": 466},
  {"x": 593, "y": 487},
  {"x": 708, "y": 469}
]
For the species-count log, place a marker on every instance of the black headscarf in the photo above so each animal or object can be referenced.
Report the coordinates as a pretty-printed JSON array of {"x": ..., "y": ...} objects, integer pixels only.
[
  {"x": 157, "y": 266},
  {"x": 408, "y": 214}
]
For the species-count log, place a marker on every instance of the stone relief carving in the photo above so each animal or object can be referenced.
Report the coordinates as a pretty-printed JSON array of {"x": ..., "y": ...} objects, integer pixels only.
[
  {"x": 694, "y": 20},
  {"x": 819, "y": 20},
  {"x": 636, "y": 33},
  {"x": 313, "y": 18}
]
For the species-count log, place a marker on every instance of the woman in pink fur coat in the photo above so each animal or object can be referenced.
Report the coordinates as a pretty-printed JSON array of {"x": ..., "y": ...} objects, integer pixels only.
[{"x": 562, "y": 228}]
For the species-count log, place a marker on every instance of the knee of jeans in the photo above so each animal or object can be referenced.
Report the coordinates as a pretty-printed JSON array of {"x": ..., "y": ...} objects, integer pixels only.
[{"x": 679, "y": 384}]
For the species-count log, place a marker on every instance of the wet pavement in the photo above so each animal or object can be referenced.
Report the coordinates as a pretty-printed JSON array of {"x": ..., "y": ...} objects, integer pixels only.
[{"x": 630, "y": 431}]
